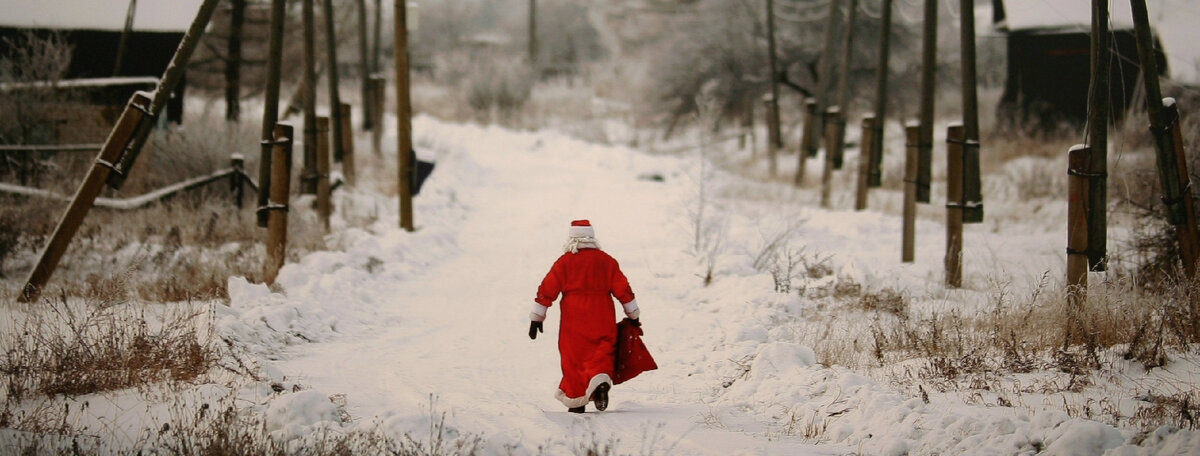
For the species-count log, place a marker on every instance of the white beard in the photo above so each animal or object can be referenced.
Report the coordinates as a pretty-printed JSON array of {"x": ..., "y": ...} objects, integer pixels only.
[{"x": 575, "y": 243}]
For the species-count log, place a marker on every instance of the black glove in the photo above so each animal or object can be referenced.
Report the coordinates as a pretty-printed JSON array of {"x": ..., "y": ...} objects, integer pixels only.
[{"x": 534, "y": 328}]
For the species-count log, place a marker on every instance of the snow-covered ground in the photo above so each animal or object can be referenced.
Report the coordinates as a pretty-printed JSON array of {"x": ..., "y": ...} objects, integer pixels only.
[{"x": 406, "y": 329}]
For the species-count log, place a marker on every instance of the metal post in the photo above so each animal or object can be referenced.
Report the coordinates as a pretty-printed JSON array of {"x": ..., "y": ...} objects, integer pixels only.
[
  {"x": 277, "y": 204},
  {"x": 403, "y": 116},
  {"x": 954, "y": 204}
]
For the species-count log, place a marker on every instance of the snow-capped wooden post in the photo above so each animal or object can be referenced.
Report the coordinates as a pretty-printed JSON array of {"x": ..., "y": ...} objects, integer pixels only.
[
  {"x": 324, "y": 205},
  {"x": 928, "y": 79},
  {"x": 833, "y": 121},
  {"x": 348, "y": 146},
  {"x": 1077, "y": 220},
  {"x": 874, "y": 177},
  {"x": 335, "y": 99},
  {"x": 118, "y": 154},
  {"x": 912, "y": 135},
  {"x": 277, "y": 203},
  {"x": 864, "y": 161},
  {"x": 1168, "y": 143},
  {"x": 954, "y": 204},
  {"x": 270, "y": 106},
  {"x": 403, "y": 115},
  {"x": 237, "y": 183}
]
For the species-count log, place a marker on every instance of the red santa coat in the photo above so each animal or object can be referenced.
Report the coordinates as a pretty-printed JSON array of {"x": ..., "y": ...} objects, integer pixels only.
[{"x": 587, "y": 280}]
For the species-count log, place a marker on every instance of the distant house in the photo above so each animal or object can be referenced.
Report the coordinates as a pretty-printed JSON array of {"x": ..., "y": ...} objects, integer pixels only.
[
  {"x": 93, "y": 28},
  {"x": 1049, "y": 44}
]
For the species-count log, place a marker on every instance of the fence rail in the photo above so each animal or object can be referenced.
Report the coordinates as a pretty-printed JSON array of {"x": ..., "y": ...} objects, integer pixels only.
[{"x": 142, "y": 200}]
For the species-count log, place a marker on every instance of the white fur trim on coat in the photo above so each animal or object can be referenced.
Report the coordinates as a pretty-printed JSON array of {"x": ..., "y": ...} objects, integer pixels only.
[
  {"x": 572, "y": 402},
  {"x": 538, "y": 313},
  {"x": 632, "y": 310}
]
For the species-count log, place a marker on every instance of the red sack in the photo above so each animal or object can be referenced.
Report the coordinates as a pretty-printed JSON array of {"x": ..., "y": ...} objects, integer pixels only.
[{"x": 632, "y": 356}]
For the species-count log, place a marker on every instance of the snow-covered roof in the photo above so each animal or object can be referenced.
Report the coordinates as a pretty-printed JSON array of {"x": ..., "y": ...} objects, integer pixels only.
[
  {"x": 1173, "y": 20},
  {"x": 151, "y": 15}
]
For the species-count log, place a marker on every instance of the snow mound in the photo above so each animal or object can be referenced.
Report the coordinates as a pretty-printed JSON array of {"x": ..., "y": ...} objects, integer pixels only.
[{"x": 295, "y": 415}]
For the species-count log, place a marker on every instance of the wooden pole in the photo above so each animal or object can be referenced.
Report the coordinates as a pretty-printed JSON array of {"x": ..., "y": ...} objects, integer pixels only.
[
  {"x": 833, "y": 121},
  {"x": 972, "y": 210},
  {"x": 1077, "y": 220},
  {"x": 864, "y": 162},
  {"x": 773, "y": 134},
  {"x": 844, "y": 86},
  {"x": 954, "y": 204},
  {"x": 379, "y": 99},
  {"x": 277, "y": 204},
  {"x": 237, "y": 180},
  {"x": 364, "y": 71},
  {"x": 162, "y": 94},
  {"x": 348, "y": 169},
  {"x": 403, "y": 116},
  {"x": 233, "y": 61},
  {"x": 808, "y": 140},
  {"x": 123, "y": 43},
  {"x": 1164, "y": 124},
  {"x": 308, "y": 174},
  {"x": 335, "y": 99},
  {"x": 772, "y": 128},
  {"x": 912, "y": 135},
  {"x": 324, "y": 206},
  {"x": 271, "y": 105},
  {"x": 874, "y": 175},
  {"x": 1097, "y": 134},
  {"x": 825, "y": 77},
  {"x": 375, "y": 67},
  {"x": 928, "y": 79},
  {"x": 533, "y": 42},
  {"x": 120, "y": 137}
]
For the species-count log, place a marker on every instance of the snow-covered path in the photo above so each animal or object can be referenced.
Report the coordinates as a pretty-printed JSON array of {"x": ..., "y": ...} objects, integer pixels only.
[
  {"x": 410, "y": 326},
  {"x": 457, "y": 331}
]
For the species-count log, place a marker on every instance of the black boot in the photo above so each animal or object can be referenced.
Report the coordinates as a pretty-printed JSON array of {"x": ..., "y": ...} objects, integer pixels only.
[
  {"x": 576, "y": 409},
  {"x": 600, "y": 396}
]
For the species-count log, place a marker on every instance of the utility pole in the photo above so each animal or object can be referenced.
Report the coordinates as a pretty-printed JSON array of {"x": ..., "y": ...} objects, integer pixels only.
[
  {"x": 874, "y": 176},
  {"x": 403, "y": 116},
  {"x": 1097, "y": 134},
  {"x": 773, "y": 135},
  {"x": 270, "y": 107},
  {"x": 928, "y": 79}
]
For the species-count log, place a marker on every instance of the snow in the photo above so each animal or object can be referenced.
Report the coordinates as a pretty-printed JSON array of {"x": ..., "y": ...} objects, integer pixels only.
[
  {"x": 167, "y": 15},
  {"x": 396, "y": 331},
  {"x": 411, "y": 325}
]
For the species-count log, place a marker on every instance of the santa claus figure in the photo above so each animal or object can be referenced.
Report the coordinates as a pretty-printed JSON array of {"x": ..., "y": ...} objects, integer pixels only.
[{"x": 588, "y": 279}]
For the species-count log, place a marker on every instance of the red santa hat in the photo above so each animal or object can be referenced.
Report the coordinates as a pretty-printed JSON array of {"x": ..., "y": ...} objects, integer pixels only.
[{"x": 581, "y": 228}]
